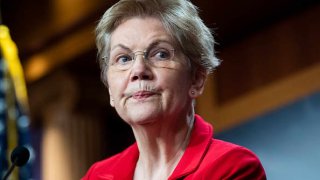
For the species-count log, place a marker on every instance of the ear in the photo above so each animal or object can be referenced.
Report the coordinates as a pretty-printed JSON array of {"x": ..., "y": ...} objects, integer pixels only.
[
  {"x": 197, "y": 86},
  {"x": 111, "y": 98}
]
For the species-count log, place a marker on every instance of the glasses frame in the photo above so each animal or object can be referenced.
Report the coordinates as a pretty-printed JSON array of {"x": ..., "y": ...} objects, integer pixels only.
[{"x": 133, "y": 56}]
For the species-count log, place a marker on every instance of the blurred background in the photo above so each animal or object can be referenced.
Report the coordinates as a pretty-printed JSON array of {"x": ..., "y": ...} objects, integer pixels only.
[{"x": 265, "y": 95}]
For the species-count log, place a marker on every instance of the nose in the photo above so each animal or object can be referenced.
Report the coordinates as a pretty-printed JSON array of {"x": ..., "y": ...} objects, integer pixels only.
[{"x": 140, "y": 69}]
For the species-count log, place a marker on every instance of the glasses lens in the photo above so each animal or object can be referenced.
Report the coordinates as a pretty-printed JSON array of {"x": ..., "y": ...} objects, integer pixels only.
[
  {"x": 121, "y": 61},
  {"x": 161, "y": 55}
]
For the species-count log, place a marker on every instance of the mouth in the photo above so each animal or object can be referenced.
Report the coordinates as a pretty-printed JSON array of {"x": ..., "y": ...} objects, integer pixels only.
[{"x": 141, "y": 95}]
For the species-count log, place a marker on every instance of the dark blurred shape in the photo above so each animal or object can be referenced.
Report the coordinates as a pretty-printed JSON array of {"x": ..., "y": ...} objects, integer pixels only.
[{"x": 20, "y": 156}]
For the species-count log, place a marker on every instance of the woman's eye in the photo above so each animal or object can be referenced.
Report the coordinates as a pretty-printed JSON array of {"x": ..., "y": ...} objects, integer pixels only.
[
  {"x": 124, "y": 59},
  {"x": 162, "y": 54}
]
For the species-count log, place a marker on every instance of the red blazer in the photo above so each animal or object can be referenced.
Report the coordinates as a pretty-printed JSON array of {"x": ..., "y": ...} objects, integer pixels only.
[{"x": 205, "y": 158}]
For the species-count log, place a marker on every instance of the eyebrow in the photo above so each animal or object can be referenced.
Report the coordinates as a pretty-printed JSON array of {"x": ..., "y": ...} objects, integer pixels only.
[
  {"x": 121, "y": 46},
  {"x": 153, "y": 43}
]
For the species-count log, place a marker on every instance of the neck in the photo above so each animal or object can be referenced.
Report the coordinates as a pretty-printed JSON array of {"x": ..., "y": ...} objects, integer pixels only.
[{"x": 161, "y": 146}]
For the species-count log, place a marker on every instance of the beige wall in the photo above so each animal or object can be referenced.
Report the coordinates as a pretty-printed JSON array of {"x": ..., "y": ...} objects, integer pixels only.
[{"x": 264, "y": 71}]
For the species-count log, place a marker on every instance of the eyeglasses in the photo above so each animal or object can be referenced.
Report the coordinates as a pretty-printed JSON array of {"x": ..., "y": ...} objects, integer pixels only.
[{"x": 160, "y": 55}]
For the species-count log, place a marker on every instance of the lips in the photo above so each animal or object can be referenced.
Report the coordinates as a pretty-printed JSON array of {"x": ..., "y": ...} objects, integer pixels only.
[{"x": 142, "y": 95}]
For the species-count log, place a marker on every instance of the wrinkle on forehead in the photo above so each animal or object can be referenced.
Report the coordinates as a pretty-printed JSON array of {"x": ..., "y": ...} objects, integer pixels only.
[{"x": 139, "y": 31}]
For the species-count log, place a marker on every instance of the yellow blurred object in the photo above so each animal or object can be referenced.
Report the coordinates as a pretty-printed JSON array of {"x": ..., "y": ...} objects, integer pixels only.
[{"x": 10, "y": 55}]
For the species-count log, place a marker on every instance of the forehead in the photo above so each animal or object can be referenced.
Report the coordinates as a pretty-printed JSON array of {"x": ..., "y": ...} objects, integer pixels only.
[{"x": 139, "y": 31}]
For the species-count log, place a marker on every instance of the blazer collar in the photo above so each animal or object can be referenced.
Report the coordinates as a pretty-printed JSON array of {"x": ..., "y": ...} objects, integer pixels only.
[{"x": 200, "y": 141}]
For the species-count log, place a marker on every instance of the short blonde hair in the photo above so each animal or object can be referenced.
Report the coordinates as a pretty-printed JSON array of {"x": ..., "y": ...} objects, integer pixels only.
[{"x": 179, "y": 17}]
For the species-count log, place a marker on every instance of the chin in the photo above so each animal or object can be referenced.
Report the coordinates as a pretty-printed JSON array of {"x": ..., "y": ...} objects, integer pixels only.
[
  {"x": 142, "y": 118},
  {"x": 141, "y": 112}
]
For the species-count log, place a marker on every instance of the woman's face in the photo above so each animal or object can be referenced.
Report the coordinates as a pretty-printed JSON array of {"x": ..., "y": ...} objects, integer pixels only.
[{"x": 144, "y": 93}]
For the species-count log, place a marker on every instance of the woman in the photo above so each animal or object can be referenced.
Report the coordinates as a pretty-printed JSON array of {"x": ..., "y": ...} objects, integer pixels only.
[{"x": 155, "y": 56}]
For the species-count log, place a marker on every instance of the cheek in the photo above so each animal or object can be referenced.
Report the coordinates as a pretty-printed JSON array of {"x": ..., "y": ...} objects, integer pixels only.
[
  {"x": 115, "y": 86},
  {"x": 178, "y": 83}
]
